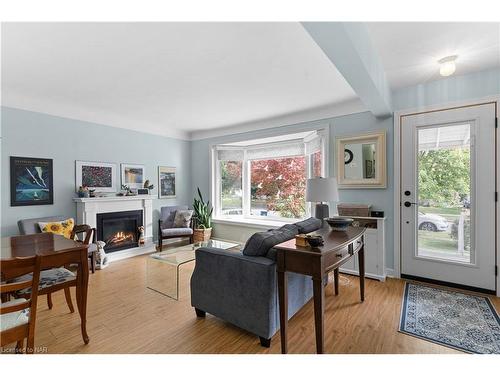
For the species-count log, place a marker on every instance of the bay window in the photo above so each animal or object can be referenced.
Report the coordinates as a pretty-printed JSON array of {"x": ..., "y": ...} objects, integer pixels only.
[{"x": 265, "y": 179}]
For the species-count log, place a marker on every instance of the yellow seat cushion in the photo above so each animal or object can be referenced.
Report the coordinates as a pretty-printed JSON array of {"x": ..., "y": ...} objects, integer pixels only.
[{"x": 63, "y": 228}]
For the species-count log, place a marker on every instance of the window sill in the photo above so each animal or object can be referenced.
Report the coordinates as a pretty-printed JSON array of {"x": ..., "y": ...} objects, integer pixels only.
[{"x": 260, "y": 224}]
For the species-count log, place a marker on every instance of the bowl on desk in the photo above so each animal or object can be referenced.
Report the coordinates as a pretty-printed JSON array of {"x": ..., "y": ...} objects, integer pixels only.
[{"x": 339, "y": 223}]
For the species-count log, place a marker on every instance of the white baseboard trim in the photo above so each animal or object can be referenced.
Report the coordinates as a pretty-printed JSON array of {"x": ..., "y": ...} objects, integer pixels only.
[
  {"x": 389, "y": 272},
  {"x": 367, "y": 274},
  {"x": 148, "y": 248}
]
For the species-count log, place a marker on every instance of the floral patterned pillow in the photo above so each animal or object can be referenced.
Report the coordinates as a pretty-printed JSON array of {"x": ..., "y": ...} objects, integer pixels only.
[{"x": 62, "y": 228}]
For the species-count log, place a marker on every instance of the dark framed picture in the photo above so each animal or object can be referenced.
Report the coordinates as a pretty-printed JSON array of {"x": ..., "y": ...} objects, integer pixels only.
[
  {"x": 166, "y": 182},
  {"x": 31, "y": 181}
]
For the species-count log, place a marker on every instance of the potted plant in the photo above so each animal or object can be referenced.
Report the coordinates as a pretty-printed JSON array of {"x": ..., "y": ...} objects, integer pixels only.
[{"x": 202, "y": 219}]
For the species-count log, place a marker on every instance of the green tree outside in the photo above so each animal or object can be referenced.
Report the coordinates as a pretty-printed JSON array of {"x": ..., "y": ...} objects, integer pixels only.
[{"x": 444, "y": 176}]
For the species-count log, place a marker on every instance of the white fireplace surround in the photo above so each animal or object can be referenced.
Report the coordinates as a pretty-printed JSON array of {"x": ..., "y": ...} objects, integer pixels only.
[{"x": 88, "y": 208}]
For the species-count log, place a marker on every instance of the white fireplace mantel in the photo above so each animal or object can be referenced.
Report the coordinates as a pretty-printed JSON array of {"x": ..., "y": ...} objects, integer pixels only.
[{"x": 88, "y": 208}]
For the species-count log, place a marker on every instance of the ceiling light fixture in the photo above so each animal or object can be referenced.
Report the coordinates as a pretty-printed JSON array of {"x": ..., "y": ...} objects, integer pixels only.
[{"x": 447, "y": 65}]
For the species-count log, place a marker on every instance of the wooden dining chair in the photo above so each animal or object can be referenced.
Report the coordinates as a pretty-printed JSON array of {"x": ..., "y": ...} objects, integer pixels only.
[
  {"x": 89, "y": 239},
  {"x": 18, "y": 316},
  {"x": 61, "y": 278}
]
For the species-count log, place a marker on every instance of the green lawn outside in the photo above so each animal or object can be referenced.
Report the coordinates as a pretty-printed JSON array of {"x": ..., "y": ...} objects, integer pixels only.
[
  {"x": 231, "y": 202},
  {"x": 439, "y": 241}
]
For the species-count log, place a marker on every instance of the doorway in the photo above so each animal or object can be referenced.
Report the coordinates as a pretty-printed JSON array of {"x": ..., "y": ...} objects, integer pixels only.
[{"x": 448, "y": 197}]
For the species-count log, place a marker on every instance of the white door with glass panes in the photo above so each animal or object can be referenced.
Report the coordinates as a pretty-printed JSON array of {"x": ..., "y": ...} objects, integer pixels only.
[{"x": 448, "y": 196}]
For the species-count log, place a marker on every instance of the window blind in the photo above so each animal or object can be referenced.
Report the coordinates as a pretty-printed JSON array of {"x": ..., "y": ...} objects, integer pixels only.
[
  {"x": 230, "y": 155},
  {"x": 313, "y": 146},
  {"x": 276, "y": 150}
]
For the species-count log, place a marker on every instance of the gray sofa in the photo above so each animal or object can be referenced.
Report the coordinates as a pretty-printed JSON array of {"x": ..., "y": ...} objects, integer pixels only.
[
  {"x": 30, "y": 226},
  {"x": 242, "y": 289}
]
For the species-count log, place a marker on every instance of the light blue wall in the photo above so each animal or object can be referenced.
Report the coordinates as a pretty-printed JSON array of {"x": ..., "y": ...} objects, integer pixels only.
[
  {"x": 455, "y": 88},
  {"x": 35, "y": 134},
  {"x": 381, "y": 199},
  {"x": 27, "y": 133}
]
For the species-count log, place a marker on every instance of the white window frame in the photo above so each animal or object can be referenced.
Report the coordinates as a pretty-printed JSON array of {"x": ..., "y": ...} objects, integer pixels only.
[{"x": 246, "y": 185}]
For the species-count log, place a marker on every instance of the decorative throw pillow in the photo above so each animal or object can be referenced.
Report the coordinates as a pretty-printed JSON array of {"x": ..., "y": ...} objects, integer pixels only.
[
  {"x": 308, "y": 225},
  {"x": 62, "y": 228},
  {"x": 182, "y": 218},
  {"x": 261, "y": 242},
  {"x": 168, "y": 220}
]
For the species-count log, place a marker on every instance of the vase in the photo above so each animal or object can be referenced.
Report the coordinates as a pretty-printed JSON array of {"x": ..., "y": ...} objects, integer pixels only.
[{"x": 202, "y": 235}]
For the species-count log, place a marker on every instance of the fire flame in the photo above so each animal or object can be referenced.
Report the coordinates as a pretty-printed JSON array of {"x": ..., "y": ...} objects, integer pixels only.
[{"x": 120, "y": 237}]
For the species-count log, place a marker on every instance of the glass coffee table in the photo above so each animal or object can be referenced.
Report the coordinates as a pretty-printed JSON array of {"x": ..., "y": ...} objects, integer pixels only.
[{"x": 162, "y": 269}]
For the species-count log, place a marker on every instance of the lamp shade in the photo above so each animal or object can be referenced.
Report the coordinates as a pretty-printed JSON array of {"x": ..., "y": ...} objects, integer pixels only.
[{"x": 322, "y": 190}]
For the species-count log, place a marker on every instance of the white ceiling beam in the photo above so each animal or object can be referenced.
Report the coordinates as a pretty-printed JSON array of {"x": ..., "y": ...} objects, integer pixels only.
[{"x": 349, "y": 48}]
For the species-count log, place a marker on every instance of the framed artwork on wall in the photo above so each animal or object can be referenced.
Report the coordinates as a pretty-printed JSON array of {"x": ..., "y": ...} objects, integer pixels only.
[
  {"x": 31, "y": 181},
  {"x": 132, "y": 175},
  {"x": 97, "y": 176},
  {"x": 166, "y": 182}
]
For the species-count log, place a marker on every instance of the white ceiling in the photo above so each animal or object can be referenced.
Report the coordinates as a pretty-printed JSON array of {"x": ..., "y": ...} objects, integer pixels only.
[
  {"x": 410, "y": 50},
  {"x": 194, "y": 80},
  {"x": 167, "y": 78}
]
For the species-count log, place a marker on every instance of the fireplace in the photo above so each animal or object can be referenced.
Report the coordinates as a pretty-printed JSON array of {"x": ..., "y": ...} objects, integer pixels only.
[{"x": 119, "y": 230}]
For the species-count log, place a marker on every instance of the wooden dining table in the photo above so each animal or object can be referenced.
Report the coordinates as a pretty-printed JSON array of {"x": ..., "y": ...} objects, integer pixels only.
[{"x": 54, "y": 251}]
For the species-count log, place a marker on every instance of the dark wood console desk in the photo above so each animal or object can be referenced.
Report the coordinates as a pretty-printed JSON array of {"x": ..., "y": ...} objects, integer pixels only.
[{"x": 338, "y": 248}]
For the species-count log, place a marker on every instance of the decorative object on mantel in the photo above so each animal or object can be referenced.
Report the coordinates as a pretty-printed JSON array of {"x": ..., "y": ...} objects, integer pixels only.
[
  {"x": 132, "y": 175},
  {"x": 83, "y": 192},
  {"x": 148, "y": 185},
  {"x": 147, "y": 188},
  {"x": 321, "y": 190},
  {"x": 31, "y": 181},
  {"x": 126, "y": 191},
  {"x": 202, "y": 219},
  {"x": 166, "y": 182},
  {"x": 97, "y": 176},
  {"x": 141, "y": 241}
]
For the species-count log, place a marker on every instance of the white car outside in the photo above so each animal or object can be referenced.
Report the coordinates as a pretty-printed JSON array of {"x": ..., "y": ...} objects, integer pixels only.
[{"x": 432, "y": 222}]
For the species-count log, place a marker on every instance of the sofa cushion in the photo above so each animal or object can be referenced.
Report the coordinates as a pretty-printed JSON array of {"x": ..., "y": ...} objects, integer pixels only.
[
  {"x": 291, "y": 228},
  {"x": 182, "y": 218},
  {"x": 30, "y": 226},
  {"x": 260, "y": 243},
  {"x": 50, "y": 277},
  {"x": 309, "y": 225},
  {"x": 15, "y": 318},
  {"x": 177, "y": 231}
]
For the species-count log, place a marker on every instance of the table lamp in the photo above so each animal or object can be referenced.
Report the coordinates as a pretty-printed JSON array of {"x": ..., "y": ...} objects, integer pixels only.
[{"x": 322, "y": 190}]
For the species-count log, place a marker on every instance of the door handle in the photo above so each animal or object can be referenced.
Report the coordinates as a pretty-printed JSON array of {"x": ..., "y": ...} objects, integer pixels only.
[{"x": 408, "y": 204}]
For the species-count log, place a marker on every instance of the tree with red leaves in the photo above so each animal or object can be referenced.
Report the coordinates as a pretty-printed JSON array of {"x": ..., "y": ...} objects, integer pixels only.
[{"x": 281, "y": 184}]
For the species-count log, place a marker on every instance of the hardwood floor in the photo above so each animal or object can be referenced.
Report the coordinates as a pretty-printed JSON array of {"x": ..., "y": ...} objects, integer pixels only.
[{"x": 126, "y": 317}]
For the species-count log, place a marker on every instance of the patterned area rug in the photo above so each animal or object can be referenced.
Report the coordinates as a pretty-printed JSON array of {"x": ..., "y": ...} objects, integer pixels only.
[{"x": 460, "y": 321}]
